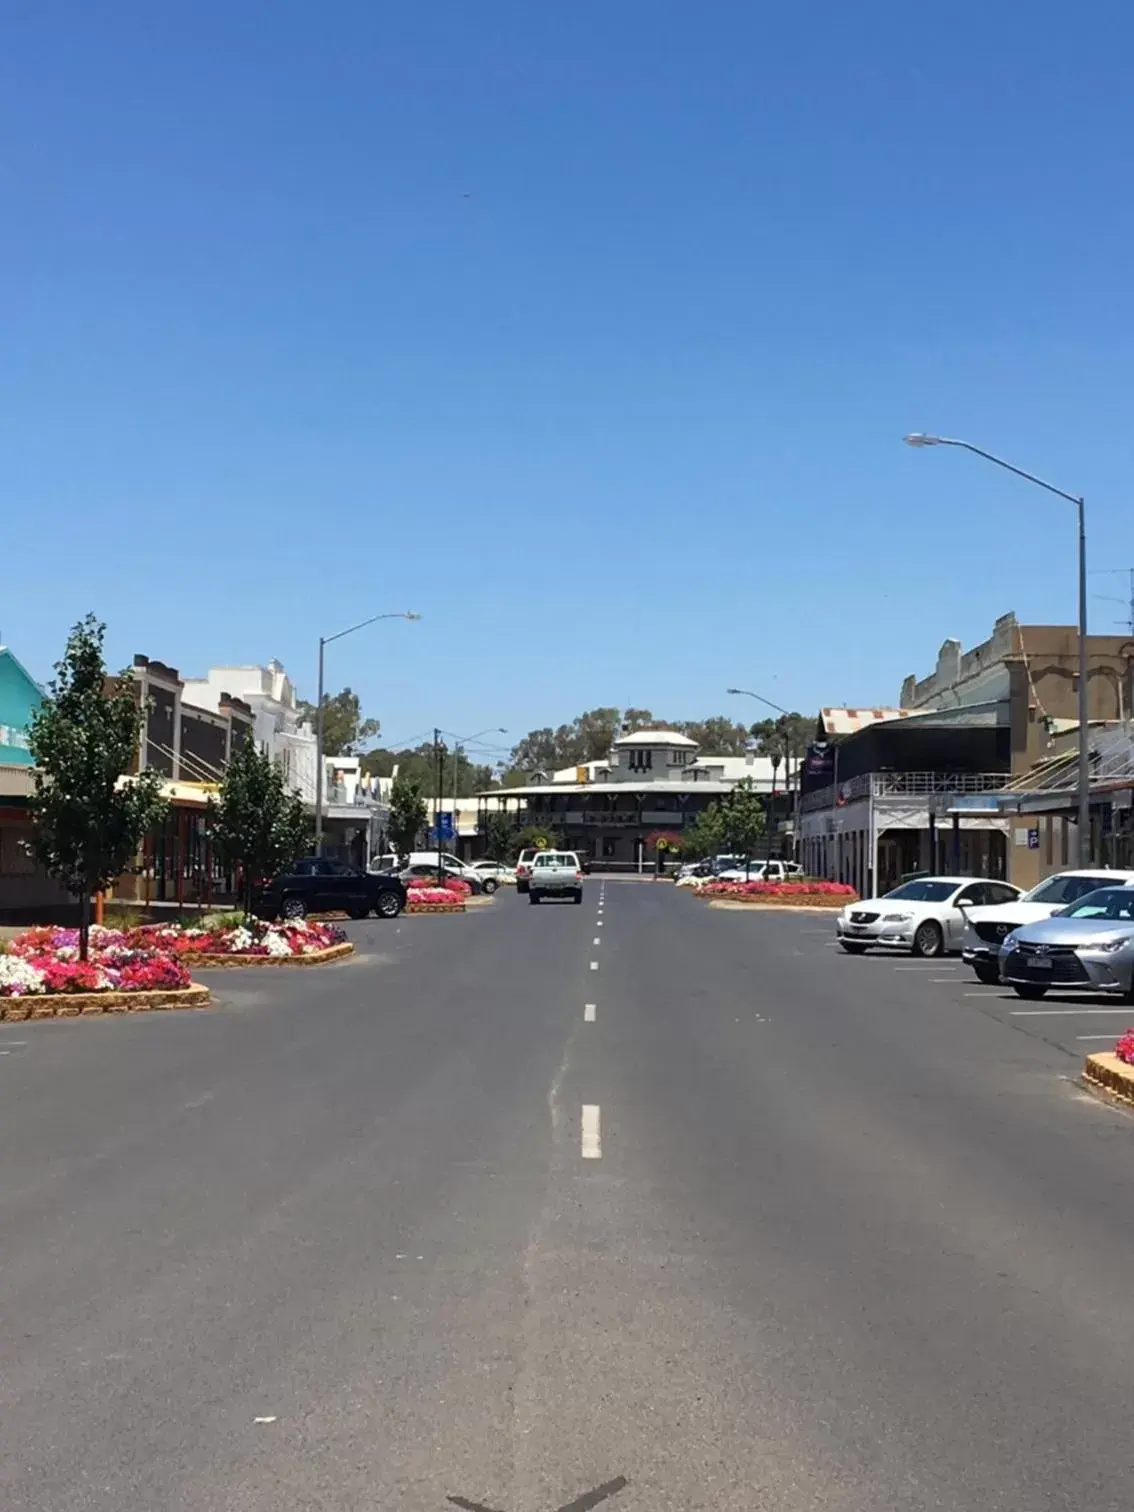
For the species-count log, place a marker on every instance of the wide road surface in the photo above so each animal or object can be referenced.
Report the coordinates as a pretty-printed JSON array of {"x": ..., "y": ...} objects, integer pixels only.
[{"x": 760, "y": 1228}]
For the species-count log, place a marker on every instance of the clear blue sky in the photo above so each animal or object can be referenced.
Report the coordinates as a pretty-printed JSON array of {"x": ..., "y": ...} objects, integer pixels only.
[{"x": 313, "y": 311}]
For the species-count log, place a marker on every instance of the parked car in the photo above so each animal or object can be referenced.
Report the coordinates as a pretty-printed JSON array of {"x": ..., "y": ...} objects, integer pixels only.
[
  {"x": 755, "y": 871},
  {"x": 497, "y": 870},
  {"x": 452, "y": 864},
  {"x": 923, "y": 916},
  {"x": 987, "y": 928},
  {"x": 555, "y": 874},
  {"x": 425, "y": 873},
  {"x": 317, "y": 885},
  {"x": 524, "y": 869},
  {"x": 1086, "y": 947}
]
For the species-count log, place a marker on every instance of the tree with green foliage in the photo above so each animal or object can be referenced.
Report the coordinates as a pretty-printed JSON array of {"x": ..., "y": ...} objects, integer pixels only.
[
  {"x": 256, "y": 826},
  {"x": 344, "y": 728},
  {"x": 408, "y": 814},
  {"x": 420, "y": 764},
  {"x": 537, "y": 837},
  {"x": 89, "y": 822},
  {"x": 705, "y": 836},
  {"x": 500, "y": 837},
  {"x": 788, "y": 734},
  {"x": 717, "y": 736},
  {"x": 744, "y": 820}
]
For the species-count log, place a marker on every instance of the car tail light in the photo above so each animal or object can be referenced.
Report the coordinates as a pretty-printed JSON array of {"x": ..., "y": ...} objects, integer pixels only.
[{"x": 578, "y": 876}]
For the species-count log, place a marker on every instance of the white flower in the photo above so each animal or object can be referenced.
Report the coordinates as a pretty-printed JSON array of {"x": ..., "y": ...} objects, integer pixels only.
[
  {"x": 18, "y": 976},
  {"x": 240, "y": 939},
  {"x": 277, "y": 945}
]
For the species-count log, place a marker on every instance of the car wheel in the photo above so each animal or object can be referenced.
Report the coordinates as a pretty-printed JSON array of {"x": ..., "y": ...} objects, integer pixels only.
[
  {"x": 521, "y": 887},
  {"x": 1029, "y": 991},
  {"x": 533, "y": 897},
  {"x": 579, "y": 896},
  {"x": 854, "y": 947},
  {"x": 928, "y": 939},
  {"x": 490, "y": 884},
  {"x": 989, "y": 975},
  {"x": 293, "y": 908},
  {"x": 389, "y": 905}
]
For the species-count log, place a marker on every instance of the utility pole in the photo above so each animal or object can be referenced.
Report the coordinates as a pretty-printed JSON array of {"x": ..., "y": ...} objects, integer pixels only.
[{"x": 439, "y": 756}]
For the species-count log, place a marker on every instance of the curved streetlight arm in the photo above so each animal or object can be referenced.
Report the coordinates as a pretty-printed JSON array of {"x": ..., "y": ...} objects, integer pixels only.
[
  {"x": 1084, "y": 824},
  {"x": 918, "y": 439},
  {"x": 324, "y": 642},
  {"x": 759, "y": 697}
]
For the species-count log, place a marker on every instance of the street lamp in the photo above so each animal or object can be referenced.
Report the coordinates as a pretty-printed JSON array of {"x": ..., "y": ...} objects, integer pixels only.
[
  {"x": 919, "y": 439},
  {"x": 759, "y": 697},
  {"x": 324, "y": 641}
]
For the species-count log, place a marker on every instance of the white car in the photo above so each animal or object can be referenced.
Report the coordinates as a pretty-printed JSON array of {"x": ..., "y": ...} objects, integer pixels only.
[
  {"x": 756, "y": 871},
  {"x": 923, "y": 916},
  {"x": 987, "y": 928},
  {"x": 499, "y": 871}
]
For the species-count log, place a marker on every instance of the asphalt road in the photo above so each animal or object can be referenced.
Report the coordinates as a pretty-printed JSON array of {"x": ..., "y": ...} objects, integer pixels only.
[{"x": 764, "y": 1228}]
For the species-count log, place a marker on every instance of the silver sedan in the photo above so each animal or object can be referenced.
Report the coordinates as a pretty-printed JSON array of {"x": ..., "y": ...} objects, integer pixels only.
[{"x": 1087, "y": 947}]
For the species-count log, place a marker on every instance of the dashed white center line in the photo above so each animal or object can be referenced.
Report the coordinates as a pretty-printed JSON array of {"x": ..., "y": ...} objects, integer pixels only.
[
  {"x": 594, "y": 965},
  {"x": 588, "y": 1013},
  {"x": 598, "y": 924},
  {"x": 592, "y": 1132},
  {"x": 597, "y": 939}
]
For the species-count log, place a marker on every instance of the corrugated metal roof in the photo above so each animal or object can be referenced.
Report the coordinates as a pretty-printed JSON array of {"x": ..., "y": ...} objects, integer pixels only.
[{"x": 850, "y": 721}]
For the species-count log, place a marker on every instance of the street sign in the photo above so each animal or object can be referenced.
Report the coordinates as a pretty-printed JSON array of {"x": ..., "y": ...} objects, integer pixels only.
[{"x": 443, "y": 828}]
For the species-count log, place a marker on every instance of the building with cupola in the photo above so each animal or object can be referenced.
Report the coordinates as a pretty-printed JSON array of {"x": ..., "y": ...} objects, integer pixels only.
[{"x": 651, "y": 785}]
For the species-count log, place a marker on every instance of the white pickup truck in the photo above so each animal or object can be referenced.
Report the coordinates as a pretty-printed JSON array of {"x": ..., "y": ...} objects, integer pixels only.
[{"x": 555, "y": 874}]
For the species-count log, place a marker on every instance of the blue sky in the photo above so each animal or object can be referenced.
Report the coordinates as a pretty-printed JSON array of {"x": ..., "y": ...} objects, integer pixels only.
[{"x": 623, "y": 305}]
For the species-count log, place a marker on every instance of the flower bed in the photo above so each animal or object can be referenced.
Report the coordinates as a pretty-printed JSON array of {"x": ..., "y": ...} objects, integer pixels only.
[
  {"x": 41, "y": 975},
  {"x": 781, "y": 894},
  {"x": 1124, "y": 1049},
  {"x": 449, "y": 898},
  {"x": 253, "y": 938}
]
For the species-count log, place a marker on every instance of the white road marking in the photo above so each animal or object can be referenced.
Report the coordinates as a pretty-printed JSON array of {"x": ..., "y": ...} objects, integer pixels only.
[
  {"x": 265, "y": 1420},
  {"x": 925, "y": 968},
  {"x": 988, "y": 992},
  {"x": 952, "y": 981},
  {"x": 588, "y": 1013},
  {"x": 594, "y": 965},
  {"x": 592, "y": 1132},
  {"x": 597, "y": 940},
  {"x": 1068, "y": 1012},
  {"x": 1108, "y": 1037}
]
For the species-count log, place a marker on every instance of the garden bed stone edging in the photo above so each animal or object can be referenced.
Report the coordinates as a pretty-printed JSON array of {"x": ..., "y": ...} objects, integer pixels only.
[
  {"x": 225, "y": 960},
  {"x": 1105, "y": 1070},
  {"x": 805, "y": 905},
  {"x": 16, "y": 1010},
  {"x": 431, "y": 908}
]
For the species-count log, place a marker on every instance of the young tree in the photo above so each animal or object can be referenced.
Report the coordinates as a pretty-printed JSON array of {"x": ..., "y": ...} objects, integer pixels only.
[
  {"x": 344, "y": 728},
  {"x": 257, "y": 827},
  {"x": 500, "y": 837},
  {"x": 743, "y": 815},
  {"x": 408, "y": 814},
  {"x": 89, "y": 824},
  {"x": 705, "y": 836},
  {"x": 537, "y": 837}
]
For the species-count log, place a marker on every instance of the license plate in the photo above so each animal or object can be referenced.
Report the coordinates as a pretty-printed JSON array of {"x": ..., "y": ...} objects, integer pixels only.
[{"x": 1040, "y": 963}]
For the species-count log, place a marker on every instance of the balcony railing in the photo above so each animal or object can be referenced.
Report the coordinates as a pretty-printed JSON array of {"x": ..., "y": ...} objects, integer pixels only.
[{"x": 904, "y": 785}]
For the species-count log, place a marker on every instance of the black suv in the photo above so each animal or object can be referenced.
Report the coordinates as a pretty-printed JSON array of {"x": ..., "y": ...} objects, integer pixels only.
[{"x": 316, "y": 885}]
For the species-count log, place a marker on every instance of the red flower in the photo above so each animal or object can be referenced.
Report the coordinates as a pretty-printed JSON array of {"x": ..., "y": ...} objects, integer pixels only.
[{"x": 1125, "y": 1047}]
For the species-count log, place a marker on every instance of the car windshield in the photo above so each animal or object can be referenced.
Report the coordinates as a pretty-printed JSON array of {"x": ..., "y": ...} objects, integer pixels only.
[
  {"x": 1064, "y": 889},
  {"x": 1105, "y": 903},
  {"x": 925, "y": 891}
]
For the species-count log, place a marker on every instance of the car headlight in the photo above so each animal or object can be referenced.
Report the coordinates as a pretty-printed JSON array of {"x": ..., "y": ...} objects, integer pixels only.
[
  {"x": 898, "y": 918},
  {"x": 1009, "y": 941},
  {"x": 1106, "y": 945}
]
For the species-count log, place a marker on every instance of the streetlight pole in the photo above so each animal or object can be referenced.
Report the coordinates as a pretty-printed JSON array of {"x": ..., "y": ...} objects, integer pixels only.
[
  {"x": 324, "y": 642},
  {"x": 919, "y": 439},
  {"x": 759, "y": 697}
]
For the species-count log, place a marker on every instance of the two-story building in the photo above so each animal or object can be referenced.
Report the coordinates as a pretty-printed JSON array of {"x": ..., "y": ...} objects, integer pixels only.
[
  {"x": 914, "y": 788},
  {"x": 651, "y": 786}
]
